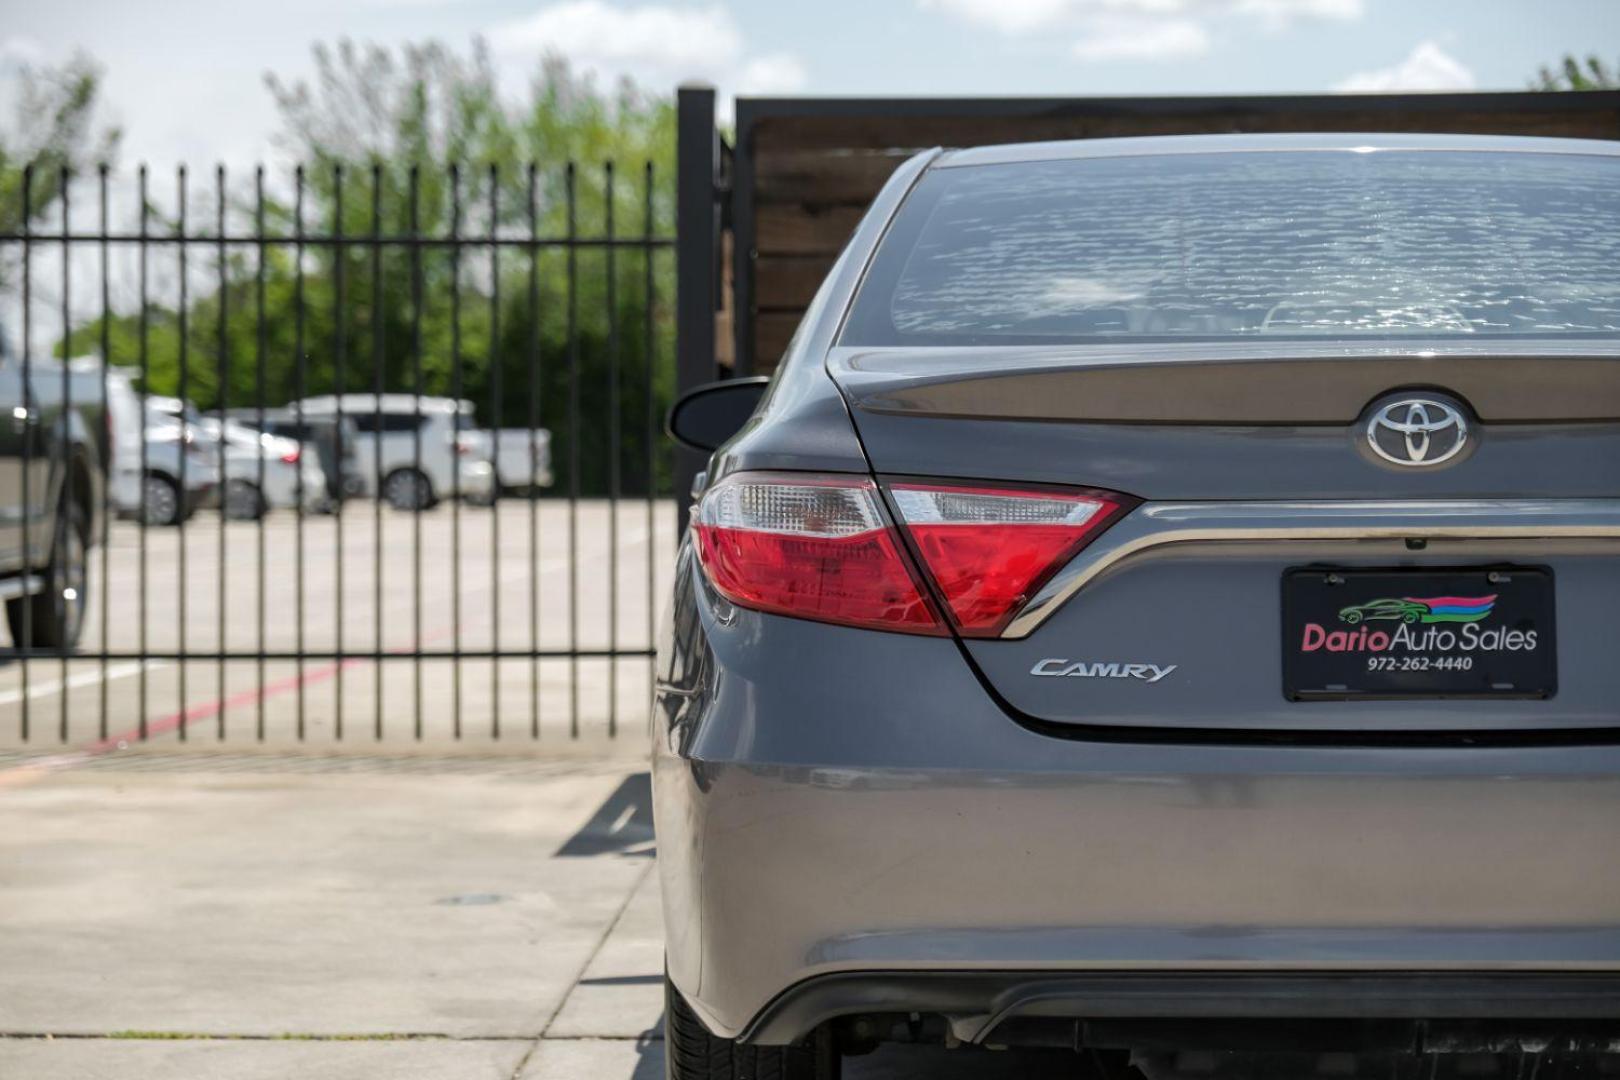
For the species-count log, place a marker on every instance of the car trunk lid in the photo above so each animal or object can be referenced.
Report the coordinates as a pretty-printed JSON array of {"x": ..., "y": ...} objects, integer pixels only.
[{"x": 1185, "y": 627}]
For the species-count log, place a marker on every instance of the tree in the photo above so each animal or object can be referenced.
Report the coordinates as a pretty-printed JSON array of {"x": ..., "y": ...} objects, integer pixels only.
[
  {"x": 53, "y": 127},
  {"x": 420, "y": 141},
  {"x": 1574, "y": 74}
]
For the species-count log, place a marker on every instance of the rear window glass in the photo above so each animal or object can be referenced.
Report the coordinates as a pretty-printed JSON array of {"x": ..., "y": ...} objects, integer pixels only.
[{"x": 1231, "y": 245}]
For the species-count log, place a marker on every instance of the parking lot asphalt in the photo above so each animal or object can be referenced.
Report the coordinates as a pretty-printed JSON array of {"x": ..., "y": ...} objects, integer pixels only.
[
  {"x": 514, "y": 579},
  {"x": 272, "y": 914}
]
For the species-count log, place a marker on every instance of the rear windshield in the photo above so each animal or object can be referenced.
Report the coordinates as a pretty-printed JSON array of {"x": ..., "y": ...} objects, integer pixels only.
[{"x": 1231, "y": 245}]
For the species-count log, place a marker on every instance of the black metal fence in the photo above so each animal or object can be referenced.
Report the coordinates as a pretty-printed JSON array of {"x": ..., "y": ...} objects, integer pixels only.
[{"x": 427, "y": 581}]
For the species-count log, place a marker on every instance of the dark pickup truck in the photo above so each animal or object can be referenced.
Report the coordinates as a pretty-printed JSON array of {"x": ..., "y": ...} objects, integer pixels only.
[{"x": 53, "y": 449}]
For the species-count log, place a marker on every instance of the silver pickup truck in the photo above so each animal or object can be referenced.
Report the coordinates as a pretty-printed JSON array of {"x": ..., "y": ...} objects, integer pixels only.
[{"x": 53, "y": 450}]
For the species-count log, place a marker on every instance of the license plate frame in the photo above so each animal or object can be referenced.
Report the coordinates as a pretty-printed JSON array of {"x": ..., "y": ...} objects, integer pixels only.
[{"x": 1419, "y": 633}]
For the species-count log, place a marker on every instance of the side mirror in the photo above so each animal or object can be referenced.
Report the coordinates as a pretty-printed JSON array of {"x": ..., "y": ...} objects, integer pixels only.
[{"x": 708, "y": 415}]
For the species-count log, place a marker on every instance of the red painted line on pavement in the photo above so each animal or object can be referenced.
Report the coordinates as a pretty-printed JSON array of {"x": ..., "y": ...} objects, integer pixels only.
[
  {"x": 207, "y": 709},
  {"x": 202, "y": 711},
  {"x": 189, "y": 715}
]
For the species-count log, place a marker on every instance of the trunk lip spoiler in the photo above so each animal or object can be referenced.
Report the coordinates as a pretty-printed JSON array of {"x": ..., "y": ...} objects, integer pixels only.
[{"x": 1155, "y": 525}]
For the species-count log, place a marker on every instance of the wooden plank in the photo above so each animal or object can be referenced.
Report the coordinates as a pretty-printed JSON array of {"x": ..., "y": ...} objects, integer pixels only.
[
  {"x": 804, "y": 229},
  {"x": 906, "y": 134},
  {"x": 822, "y": 179},
  {"x": 772, "y": 332},
  {"x": 788, "y": 281}
]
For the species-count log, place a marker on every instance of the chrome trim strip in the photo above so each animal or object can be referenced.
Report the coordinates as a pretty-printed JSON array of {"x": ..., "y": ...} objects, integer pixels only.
[{"x": 1154, "y": 525}]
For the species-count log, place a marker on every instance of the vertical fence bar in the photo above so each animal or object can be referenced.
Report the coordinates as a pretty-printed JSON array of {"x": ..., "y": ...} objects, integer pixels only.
[
  {"x": 301, "y": 382},
  {"x": 223, "y": 395},
  {"x": 340, "y": 256},
  {"x": 615, "y": 453},
  {"x": 418, "y": 493},
  {"x": 377, "y": 356},
  {"x": 534, "y": 452},
  {"x": 573, "y": 453},
  {"x": 494, "y": 362},
  {"x": 185, "y": 444},
  {"x": 258, "y": 399},
  {"x": 188, "y": 424},
  {"x": 455, "y": 448},
  {"x": 650, "y": 346},
  {"x": 59, "y": 538},
  {"x": 146, "y": 371},
  {"x": 29, "y": 425},
  {"x": 112, "y": 448}
]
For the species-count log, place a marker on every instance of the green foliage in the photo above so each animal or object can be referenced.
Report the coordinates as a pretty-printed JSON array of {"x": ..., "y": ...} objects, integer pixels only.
[
  {"x": 52, "y": 126},
  {"x": 1572, "y": 73},
  {"x": 420, "y": 143}
]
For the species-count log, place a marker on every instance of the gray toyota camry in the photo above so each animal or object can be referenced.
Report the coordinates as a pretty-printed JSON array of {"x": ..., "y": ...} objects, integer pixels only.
[{"x": 1164, "y": 606}]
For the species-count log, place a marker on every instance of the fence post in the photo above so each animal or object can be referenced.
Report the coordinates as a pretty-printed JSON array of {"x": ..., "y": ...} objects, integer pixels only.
[{"x": 697, "y": 262}]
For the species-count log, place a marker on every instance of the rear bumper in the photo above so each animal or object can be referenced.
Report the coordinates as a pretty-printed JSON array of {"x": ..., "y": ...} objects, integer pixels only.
[
  {"x": 980, "y": 1003},
  {"x": 840, "y": 810},
  {"x": 840, "y": 879},
  {"x": 476, "y": 480}
]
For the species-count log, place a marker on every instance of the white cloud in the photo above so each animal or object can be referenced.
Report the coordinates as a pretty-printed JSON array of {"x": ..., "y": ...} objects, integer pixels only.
[
  {"x": 1007, "y": 16},
  {"x": 1136, "y": 39},
  {"x": 1019, "y": 17},
  {"x": 593, "y": 34},
  {"x": 1427, "y": 67},
  {"x": 20, "y": 51},
  {"x": 657, "y": 45},
  {"x": 776, "y": 73},
  {"x": 1277, "y": 13}
]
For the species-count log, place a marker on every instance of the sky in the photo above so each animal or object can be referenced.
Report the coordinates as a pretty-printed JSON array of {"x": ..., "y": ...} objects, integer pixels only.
[{"x": 184, "y": 79}]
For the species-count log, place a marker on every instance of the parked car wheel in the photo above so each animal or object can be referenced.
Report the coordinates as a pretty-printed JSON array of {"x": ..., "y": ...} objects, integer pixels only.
[
  {"x": 52, "y": 619},
  {"x": 243, "y": 501},
  {"x": 161, "y": 503},
  {"x": 407, "y": 489},
  {"x": 691, "y": 1053}
]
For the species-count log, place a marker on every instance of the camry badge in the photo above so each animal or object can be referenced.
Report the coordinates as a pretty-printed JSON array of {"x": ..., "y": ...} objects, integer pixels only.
[
  {"x": 1081, "y": 669},
  {"x": 1417, "y": 431}
]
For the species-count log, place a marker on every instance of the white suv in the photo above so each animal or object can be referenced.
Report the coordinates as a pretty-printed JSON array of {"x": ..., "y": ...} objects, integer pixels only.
[{"x": 386, "y": 444}]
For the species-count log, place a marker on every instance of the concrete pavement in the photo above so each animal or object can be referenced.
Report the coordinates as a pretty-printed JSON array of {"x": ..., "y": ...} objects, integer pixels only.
[
  {"x": 511, "y": 579},
  {"x": 269, "y": 915}
]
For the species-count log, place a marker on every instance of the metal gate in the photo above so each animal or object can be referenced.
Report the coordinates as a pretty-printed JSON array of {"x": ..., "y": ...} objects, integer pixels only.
[{"x": 366, "y": 455}]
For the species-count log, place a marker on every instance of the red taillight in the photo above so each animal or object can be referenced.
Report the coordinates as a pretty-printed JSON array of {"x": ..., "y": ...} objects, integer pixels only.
[
  {"x": 990, "y": 549},
  {"x": 822, "y": 548},
  {"x": 813, "y": 547},
  {"x": 290, "y": 457}
]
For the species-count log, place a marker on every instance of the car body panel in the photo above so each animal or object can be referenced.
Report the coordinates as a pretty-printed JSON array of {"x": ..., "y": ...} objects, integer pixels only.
[
  {"x": 837, "y": 801},
  {"x": 883, "y": 820},
  {"x": 49, "y": 429},
  {"x": 1351, "y": 141},
  {"x": 428, "y": 444}
]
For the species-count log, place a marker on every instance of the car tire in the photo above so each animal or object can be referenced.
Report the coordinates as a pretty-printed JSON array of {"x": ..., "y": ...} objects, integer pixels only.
[
  {"x": 242, "y": 501},
  {"x": 691, "y": 1053},
  {"x": 161, "y": 503},
  {"x": 407, "y": 489},
  {"x": 53, "y": 618}
]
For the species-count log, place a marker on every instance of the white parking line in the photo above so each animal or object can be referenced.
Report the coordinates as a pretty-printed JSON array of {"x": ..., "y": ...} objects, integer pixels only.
[{"x": 47, "y": 687}]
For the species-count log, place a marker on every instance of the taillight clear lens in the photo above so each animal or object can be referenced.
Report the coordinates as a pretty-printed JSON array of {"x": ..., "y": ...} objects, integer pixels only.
[
  {"x": 990, "y": 549},
  {"x": 812, "y": 547}
]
